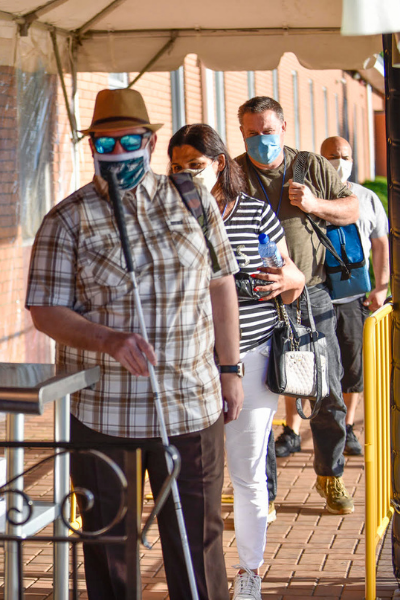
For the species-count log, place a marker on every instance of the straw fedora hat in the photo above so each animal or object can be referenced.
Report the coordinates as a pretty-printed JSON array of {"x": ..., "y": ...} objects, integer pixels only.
[{"x": 119, "y": 109}]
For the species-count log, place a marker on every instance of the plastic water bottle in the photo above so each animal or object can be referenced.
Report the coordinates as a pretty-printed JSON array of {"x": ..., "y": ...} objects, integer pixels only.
[{"x": 269, "y": 253}]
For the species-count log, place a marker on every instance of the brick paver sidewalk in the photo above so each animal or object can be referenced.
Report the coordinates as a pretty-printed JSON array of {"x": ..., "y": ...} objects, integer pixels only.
[{"x": 309, "y": 552}]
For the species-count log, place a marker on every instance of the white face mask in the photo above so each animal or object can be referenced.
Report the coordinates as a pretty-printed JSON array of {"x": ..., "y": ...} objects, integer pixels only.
[
  {"x": 343, "y": 168},
  {"x": 206, "y": 176}
]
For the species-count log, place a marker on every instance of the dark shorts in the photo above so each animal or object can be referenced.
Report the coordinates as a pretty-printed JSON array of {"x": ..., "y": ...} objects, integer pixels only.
[{"x": 349, "y": 330}]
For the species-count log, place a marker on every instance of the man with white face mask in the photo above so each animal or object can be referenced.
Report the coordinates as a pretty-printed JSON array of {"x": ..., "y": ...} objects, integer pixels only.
[
  {"x": 80, "y": 294},
  {"x": 352, "y": 312},
  {"x": 268, "y": 164}
]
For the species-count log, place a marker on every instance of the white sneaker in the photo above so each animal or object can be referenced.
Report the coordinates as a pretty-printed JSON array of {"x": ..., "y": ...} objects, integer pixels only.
[{"x": 247, "y": 585}]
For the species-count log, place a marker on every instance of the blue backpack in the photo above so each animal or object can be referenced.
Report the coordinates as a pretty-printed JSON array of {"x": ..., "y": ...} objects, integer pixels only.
[{"x": 348, "y": 276}]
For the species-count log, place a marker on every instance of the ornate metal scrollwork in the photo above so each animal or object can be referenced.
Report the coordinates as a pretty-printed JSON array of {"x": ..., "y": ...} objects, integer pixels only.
[
  {"x": 87, "y": 494},
  {"x": 14, "y": 509},
  {"x": 90, "y": 500}
]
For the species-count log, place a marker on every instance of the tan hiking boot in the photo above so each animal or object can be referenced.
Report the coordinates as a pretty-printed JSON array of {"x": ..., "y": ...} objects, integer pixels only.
[
  {"x": 271, "y": 512},
  {"x": 338, "y": 500}
]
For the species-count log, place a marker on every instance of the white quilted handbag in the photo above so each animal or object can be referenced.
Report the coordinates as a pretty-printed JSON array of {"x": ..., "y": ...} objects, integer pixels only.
[
  {"x": 298, "y": 364},
  {"x": 301, "y": 376}
]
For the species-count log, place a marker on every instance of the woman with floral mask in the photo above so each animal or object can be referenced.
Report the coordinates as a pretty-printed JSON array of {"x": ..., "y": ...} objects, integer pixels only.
[{"x": 198, "y": 149}]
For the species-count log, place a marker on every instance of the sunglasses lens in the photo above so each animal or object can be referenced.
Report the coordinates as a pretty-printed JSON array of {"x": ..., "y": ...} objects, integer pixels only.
[
  {"x": 104, "y": 145},
  {"x": 131, "y": 142}
]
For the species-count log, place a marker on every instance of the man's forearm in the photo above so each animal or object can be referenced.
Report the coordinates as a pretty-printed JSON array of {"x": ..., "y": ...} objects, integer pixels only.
[
  {"x": 226, "y": 325},
  {"x": 341, "y": 211},
  {"x": 380, "y": 262},
  {"x": 71, "y": 329},
  {"x": 226, "y": 319}
]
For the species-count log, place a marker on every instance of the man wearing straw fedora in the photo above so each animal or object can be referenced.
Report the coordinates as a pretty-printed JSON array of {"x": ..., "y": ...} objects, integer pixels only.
[{"x": 79, "y": 294}]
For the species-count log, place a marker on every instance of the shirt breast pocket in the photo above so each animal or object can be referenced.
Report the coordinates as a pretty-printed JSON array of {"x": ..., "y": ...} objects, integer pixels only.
[
  {"x": 189, "y": 243},
  {"x": 103, "y": 263}
]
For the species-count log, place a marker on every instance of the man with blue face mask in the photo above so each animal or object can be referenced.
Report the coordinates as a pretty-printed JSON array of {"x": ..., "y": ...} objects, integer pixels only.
[
  {"x": 268, "y": 165},
  {"x": 81, "y": 295}
]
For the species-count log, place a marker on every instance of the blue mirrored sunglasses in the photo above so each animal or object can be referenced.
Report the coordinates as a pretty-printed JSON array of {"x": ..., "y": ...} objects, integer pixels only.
[{"x": 130, "y": 142}]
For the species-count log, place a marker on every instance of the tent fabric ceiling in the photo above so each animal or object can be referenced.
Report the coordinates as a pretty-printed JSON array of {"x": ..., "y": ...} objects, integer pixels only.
[{"x": 124, "y": 35}]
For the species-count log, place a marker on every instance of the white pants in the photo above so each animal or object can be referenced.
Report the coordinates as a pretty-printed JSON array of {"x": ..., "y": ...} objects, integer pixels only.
[{"x": 246, "y": 448}]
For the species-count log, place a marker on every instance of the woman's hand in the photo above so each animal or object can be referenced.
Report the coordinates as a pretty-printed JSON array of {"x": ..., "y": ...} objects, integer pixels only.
[{"x": 288, "y": 281}]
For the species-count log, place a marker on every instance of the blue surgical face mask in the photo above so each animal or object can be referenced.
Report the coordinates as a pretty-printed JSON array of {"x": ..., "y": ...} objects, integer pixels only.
[
  {"x": 264, "y": 149},
  {"x": 129, "y": 167}
]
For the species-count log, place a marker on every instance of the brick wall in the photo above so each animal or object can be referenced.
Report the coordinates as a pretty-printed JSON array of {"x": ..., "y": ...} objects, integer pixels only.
[
  {"x": 236, "y": 92},
  {"x": 11, "y": 275},
  {"x": 193, "y": 97}
]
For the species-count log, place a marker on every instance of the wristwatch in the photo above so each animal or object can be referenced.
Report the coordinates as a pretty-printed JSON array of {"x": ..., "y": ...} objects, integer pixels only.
[{"x": 238, "y": 369}]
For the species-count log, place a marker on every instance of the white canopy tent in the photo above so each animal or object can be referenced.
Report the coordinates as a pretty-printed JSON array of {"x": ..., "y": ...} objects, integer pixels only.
[{"x": 126, "y": 35}]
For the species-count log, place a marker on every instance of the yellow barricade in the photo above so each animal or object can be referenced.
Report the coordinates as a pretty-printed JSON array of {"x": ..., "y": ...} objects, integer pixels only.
[{"x": 377, "y": 353}]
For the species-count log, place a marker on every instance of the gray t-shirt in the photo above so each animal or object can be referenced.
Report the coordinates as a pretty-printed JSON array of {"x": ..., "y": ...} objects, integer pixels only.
[{"x": 373, "y": 223}]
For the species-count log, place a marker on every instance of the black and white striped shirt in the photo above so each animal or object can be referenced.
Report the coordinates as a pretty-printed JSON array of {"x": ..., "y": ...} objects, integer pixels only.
[{"x": 249, "y": 218}]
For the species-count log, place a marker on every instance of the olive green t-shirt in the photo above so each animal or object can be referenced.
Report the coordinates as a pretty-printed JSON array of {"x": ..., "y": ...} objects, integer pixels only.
[{"x": 304, "y": 247}]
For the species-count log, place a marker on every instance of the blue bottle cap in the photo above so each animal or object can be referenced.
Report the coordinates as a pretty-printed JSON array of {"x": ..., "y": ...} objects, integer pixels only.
[{"x": 263, "y": 238}]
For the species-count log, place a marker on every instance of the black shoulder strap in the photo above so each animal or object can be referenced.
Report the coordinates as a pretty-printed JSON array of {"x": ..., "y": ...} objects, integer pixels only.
[
  {"x": 300, "y": 168},
  {"x": 191, "y": 199},
  {"x": 323, "y": 238}
]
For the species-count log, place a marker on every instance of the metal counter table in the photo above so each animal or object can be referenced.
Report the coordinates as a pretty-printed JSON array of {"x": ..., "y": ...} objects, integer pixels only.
[{"x": 26, "y": 389}]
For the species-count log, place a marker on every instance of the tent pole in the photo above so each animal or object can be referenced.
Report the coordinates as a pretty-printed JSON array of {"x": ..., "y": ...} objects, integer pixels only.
[
  {"x": 27, "y": 19},
  {"x": 392, "y": 108},
  {"x": 75, "y": 145},
  {"x": 71, "y": 116},
  {"x": 110, "y": 8},
  {"x": 164, "y": 49}
]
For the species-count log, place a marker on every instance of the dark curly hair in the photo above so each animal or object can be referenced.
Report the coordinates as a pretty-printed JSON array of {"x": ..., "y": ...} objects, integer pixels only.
[{"x": 206, "y": 140}]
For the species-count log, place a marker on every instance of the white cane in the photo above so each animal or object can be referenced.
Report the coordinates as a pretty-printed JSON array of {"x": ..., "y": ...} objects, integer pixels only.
[{"x": 120, "y": 218}]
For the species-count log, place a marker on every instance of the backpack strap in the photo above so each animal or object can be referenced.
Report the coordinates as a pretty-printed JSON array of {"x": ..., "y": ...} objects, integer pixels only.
[
  {"x": 300, "y": 168},
  {"x": 191, "y": 199},
  {"x": 323, "y": 238}
]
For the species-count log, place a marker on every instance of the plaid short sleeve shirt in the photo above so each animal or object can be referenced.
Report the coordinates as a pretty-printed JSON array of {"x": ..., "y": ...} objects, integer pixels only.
[{"x": 77, "y": 262}]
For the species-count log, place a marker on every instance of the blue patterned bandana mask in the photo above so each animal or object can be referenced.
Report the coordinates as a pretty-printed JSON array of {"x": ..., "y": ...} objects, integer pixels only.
[
  {"x": 129, "y": 167},
  {"x": 264, "y": 149}
]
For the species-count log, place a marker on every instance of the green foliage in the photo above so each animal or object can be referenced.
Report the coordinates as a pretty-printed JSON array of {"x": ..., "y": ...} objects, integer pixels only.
[{"x": 379, "y": 186}]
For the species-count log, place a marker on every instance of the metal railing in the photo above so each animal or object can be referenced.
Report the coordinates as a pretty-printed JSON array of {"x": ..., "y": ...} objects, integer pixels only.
[
  {"x": 26, "y": 389},
  {"x": 377, "y": 354}
]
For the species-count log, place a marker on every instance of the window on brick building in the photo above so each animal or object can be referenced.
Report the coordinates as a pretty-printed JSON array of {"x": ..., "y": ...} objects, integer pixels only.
[
  {"x": 220, "y": 103},
  {"x": 312, "y": 113},
  {"x": 251, "y": 84},
  {"x": 207, "y": 84},
  {"x": 178, "y": 99},
  {"x": 296, "y": 108},
  {"x": 117, "y": 80},
  {"x": 345, "y": 112},
  {"x": 275, "y": 85},
  {"x": 354, "y": 173},
  {"x": 326, "y": 111},
  {"x": 337, "y": 111}
]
